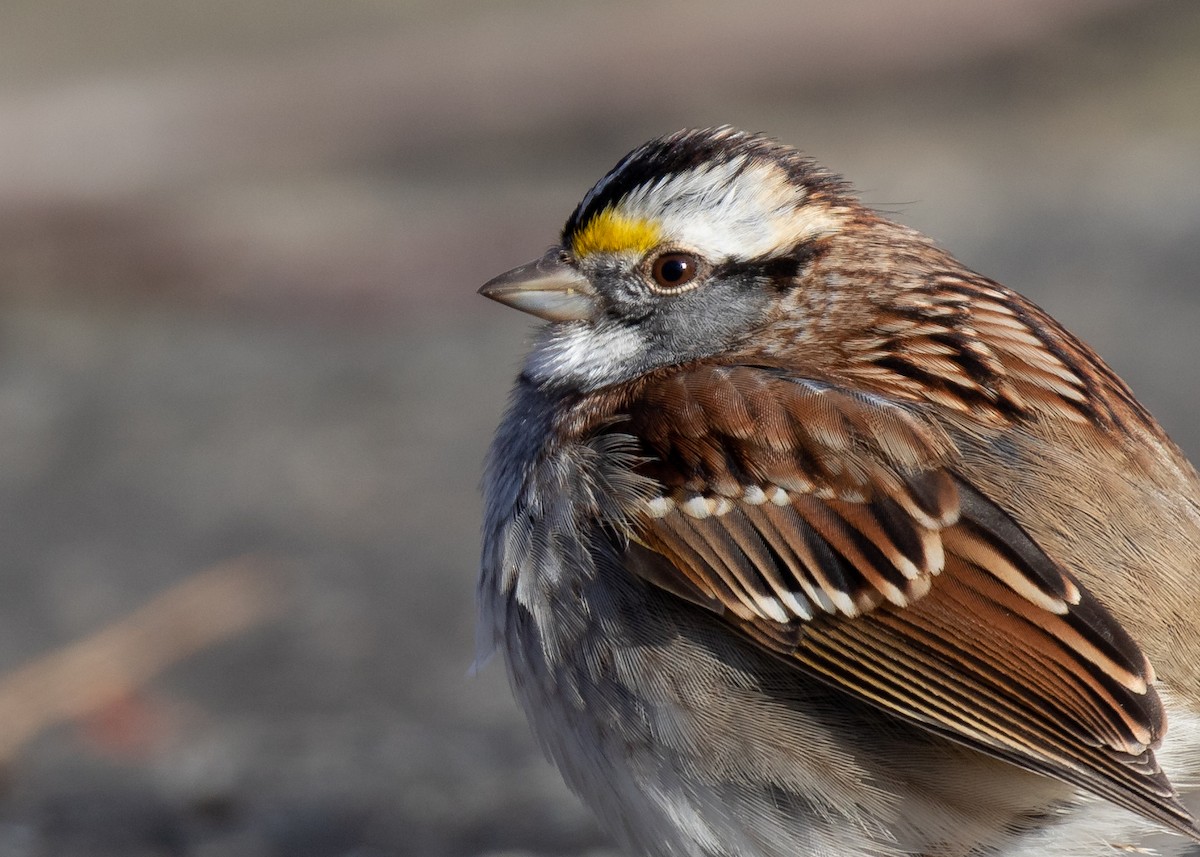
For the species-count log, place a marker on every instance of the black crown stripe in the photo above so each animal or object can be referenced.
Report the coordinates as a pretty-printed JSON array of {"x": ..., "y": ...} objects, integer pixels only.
[{"x": 687, "y": 150}]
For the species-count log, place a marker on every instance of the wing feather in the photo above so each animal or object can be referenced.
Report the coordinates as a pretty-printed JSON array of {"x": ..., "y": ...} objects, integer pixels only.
[{"x": 833, "y": 528}]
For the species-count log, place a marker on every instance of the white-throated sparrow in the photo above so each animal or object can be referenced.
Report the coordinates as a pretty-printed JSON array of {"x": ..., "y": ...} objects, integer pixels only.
[{"x": 801, "y": 538}]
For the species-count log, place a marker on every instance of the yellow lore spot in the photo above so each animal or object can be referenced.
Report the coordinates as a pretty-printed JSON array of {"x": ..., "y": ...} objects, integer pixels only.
[{"x": 610, "y": 232}]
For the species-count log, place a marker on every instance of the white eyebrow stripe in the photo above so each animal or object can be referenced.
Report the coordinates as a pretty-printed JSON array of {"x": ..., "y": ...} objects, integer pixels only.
[{"x": 735, "y": 209}]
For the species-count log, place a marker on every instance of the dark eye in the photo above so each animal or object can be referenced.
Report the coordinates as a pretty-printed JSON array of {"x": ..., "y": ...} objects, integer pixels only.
[{"x": 671, "y": 271}]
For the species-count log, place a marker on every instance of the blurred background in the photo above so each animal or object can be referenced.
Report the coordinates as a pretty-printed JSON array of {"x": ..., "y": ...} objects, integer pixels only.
[{"x": 246, "y": 384}]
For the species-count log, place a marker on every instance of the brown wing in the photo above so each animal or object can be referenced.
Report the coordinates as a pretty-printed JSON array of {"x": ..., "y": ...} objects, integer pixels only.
[{"x": 831, "y": 527}]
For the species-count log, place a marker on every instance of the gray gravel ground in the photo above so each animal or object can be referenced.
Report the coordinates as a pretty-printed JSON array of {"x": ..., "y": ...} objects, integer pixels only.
[{"x": 259, "y": 347}]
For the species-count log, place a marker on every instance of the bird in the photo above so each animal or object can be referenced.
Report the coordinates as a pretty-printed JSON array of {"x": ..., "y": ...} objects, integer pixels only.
[{"x": 802, "y": 538}]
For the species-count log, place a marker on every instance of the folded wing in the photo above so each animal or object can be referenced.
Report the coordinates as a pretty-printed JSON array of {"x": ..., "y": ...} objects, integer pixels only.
[{"x": 832, "y": 527}]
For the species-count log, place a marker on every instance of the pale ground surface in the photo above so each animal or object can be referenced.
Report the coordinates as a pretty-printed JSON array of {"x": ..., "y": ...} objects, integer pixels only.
[{"x": 239, "y": 244}]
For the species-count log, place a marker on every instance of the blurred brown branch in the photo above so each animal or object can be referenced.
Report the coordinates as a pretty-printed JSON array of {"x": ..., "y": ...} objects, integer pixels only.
[{"x": 207, "y": 608}]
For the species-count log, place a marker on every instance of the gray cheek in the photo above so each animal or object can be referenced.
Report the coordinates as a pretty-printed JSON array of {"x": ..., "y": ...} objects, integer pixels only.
[
  {"x": 630, "y": 300},
  {"x": 645, "y": 332},
  {"x": 707, "y": 320}
]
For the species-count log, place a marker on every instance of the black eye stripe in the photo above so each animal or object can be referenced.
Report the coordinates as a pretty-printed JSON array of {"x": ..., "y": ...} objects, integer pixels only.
[{"x": 779, "y": 270}]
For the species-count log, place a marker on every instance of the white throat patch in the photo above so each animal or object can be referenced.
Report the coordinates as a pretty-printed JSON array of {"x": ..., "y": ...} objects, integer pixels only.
[{"x": 586, "y": 356}]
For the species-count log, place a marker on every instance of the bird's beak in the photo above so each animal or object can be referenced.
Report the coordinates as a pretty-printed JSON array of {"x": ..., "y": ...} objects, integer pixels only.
[{"x": 547, "y": 287}]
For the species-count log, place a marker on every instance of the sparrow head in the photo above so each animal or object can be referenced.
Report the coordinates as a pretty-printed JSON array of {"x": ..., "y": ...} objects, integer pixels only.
[{"x": 684, "y": 249}]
